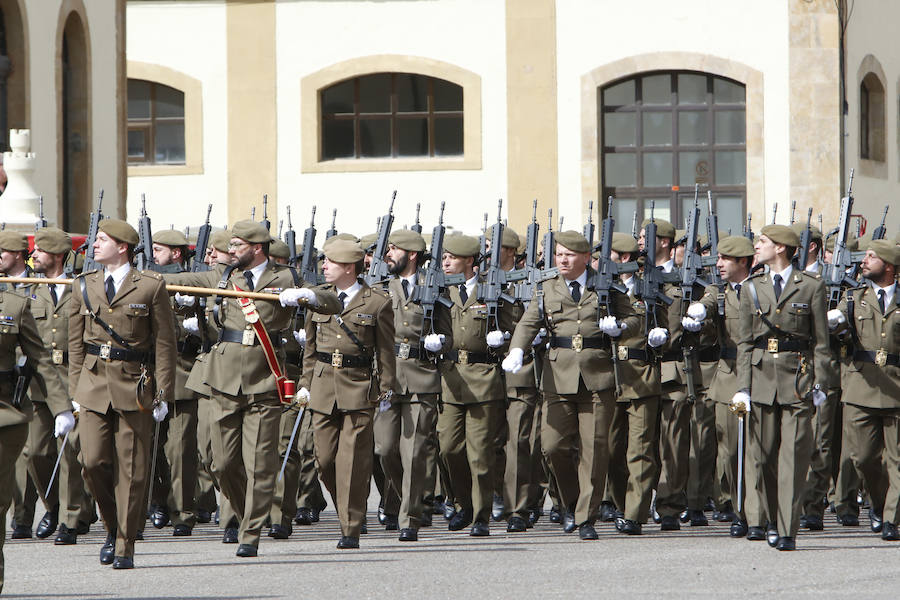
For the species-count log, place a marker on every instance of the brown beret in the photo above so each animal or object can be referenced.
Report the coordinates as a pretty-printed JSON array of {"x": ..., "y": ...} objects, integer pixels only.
[
  {"x": 680, "y": 236},
  {"x": 623, "y": 242},
  {"x": 367, "y": 242},
  {"x": 13, "y": 241},
  {"x": 462, "y": 245},
  {"x": 119, "y": 231},
  {"x": 52, "y": 240},
  {"x": 341, "y": 236},
  {"x": 737, "y": 246},
  {"x": 887, "y": 251},
  {"x": 814, "y": 232},
  {"x": 664, "y": 229},
  {"x": 251, "y": 231},
  {"x": 220, "y": 239},
  {"x": 852, "y": 243},
  {"x": 170, "y": 237},
  {"x": 279, "y": 249},
  {"x": 573, "y": 240},
  {"x": 344, "y": 252},
  {"x": 781, "y": 234},
  {"x": 407, "y": 239},
  {"x": 510, "y": 239}
]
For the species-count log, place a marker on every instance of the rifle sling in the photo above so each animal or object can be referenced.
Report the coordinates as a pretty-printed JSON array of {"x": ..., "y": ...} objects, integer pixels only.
[
  {"x": 772, "y": 327},
  {"x": 87, "y": 304}
]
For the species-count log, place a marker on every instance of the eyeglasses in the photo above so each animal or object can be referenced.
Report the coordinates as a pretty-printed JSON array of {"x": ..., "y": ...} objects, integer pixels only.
[{"x": 233, "y": 246}]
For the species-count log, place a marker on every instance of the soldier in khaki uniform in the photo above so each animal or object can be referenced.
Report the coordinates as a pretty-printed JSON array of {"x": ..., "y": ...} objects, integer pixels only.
[
  {"x": 246, "y": 407},
  {"x": 782, "y": 364},
  {"x": 870, "y": 377},
  {"x": 119, "y": 318},
  {"x": 338, "y": 361}
]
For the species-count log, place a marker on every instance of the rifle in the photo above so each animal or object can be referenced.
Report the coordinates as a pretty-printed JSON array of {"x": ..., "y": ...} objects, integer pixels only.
[
  {"x": 482, "y": 246},
  {"x": 634, "y": 230},
  {"x": 417, "y": 227},
  {"x": 712, "y": 232},
  {"x": 881, "y": 230},
  {"x": 309, "y": 268},
  {"x": 835, "y": 274},
  {"x": 143, "y": 252},
  {"x": 530, "y": 287},
  {"x": 378, "y": 268},
  {"x": 41, "y": 222},
  {"x": 332, "y": 232},
  {"x": 549, "y": 243},
  {"x": 589, "y": 227},
  {"x": 265, "y": 219},
  {"x": 803, "y": 251},
  {"x": 774, "y": 212},
  {"x": 691, "y": 270},
  {"x": 203, "y": 234},
  {"x": 491, "y": 288},
  {"x": 88, "y": 246},
  {"x": 649, "y": 286},
  {"x": 748, "y": 232},
  {"x": 793, "y": 210},
  {"x": 290, "y": 238},
  {"x": 252, "y": 213},
  {"x": 280, "y": 227}
]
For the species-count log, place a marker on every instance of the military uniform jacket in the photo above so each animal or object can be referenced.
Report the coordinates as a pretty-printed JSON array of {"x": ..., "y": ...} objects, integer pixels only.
[
  {"x": 866, "y": 383},
  {"x": 197, "y": 373},
  {"x": 519, "y": 384},
  {"x": 640, "y": 378},
  {"x": 674, "y": 370},
  {"x": 474, "y": 382},
  {"x": 563, "y": 317},
  {"x": 19, "y": 331},
  {"x": 725, "y": 383},
  {"x": 53, "y": 327},
  {"x": 416, "y": 375},
  {"x": 799, "y": 314},
  {"x": 370, "y": 318},
  {"x": 231, "y": 367}
]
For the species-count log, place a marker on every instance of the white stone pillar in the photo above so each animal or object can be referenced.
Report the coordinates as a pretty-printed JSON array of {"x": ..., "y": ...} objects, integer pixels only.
[{"x": 19, "y": 201}]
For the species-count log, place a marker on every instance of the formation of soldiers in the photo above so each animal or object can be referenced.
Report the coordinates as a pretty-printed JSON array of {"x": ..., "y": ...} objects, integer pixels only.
[{"x": 654, "y": 375}]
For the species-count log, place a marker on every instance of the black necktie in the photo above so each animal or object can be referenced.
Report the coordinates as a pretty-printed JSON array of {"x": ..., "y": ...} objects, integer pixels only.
[
  {"x": 55, "y": 298},
  {"x": 777, "y": 284},
  {"x": 463, "y": 294},
  {"x": 248, "y": 275},
  {"x": 342, "y": 297},
  {"x": 737, "y": 289},
  {"x": 576, "y": 291},
  {"x": 405, "y": 285},
  {"x": 881, "y": 300},
  {"x": 110, "y": 289}
]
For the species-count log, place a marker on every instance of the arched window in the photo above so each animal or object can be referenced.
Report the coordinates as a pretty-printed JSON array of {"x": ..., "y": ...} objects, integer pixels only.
[
  {"x": 871, "y": 118},
  {"x": 155, "y": 123}
]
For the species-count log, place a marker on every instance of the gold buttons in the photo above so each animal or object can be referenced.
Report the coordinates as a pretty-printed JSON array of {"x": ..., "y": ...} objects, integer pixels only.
[
  {"x": 405, "y": 323},
  {"x": 53, "y": 330},
  {"x": 109, "y": 309},
  {"x": 338, "y": 336},
  {"x": 53, "y": 344}
]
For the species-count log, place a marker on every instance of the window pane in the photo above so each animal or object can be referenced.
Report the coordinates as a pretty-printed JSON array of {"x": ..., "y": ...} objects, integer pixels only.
[
  {"x": 693, "y": 167},
  {"x": 660, "y": 210},
  {"x": 337, "y": 139},
  {"x": 374, "y": 137},
  {"x": 731, "y": 168},
  {"x": 619, "y": 170},
  {"x": 657, "y": 169},
  {"x": 730, "y": 211},
  {"x": 623, "y": 213},
  {"x": 656, "y": 89},
  {"x": 170, "y": 142},
  {"x": 448, "y": 136},
  {"x": 413, "y": 137},
  {"x": 657, "y": 129},
  {"x": 412, "y": 93},
  {"x": 691, "y": 89},
  {"x": 726, "y": 92},
  {"x": 619, "y": 94},
  {"x": 169, "y": 102},
  {"x": 137, "y": 139},
  {"x": 375, "y": 93},
  {"x": 687, "y": 205},
  {"x": 692, "y": 128},
  {"x": 619, "y": 129},
  {"x": 447, "y": 95},
  {"x": 338, "y": 98},
  {"x": 730, "y": 127},
  {"x": 138, "y": 99}
]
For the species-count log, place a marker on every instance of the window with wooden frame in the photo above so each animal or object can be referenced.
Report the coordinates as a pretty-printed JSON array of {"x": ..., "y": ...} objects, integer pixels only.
[
  {"x": 391, "y": 115},
  {"x": 871, "y": 118},
  {"x": 155, "y": 123}
]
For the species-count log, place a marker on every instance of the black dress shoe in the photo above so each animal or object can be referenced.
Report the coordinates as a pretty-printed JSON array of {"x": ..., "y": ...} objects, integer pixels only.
[
  {"x": 684, "y": 517},
  {"x": 569, "y": 524},
  {"x": 246, "y": 551},
  {"x": 390, "y": 523},
  {"x": 875, "y": 521},
  {"x": 631, "y": 527},
  {"x": 123, "y": 562},
  {"x": 697, "y": 518},
  {"x": 159, "y": 517},
  {"x": 408, "y": 534},
  {"x": 738, "y": 528},
  {"x": 203, "y": 516},
  {"x": 426, "y": 519},
  {"x": 533, "y": 516},
  {"x": 586, "y": 531},
  {"x": 364, "y": 529},
  {"x": 216, "y": 518},
  {"x": 497, "y": 508},
  {"x": 140, "y": 535},
  {"x": 772, "y": 537},
  {"x": 516, "y": 524},
  {"x": 449, "y": 510},
  {"x": 555, "y": 515},
  {"x": 304, "y": 516},
  {"x": 480, "y": 529},
  {"x": 82, "y": 528},
  {"x": 786, "y": 543},
  {"x": 108, "y": 550},
  {"x": 381, "y": 515},
  {"x": 347, "y": 543},
  {"x": 48, "y": 524},
  {"x": 21, "y": 532},
  {"x": 669, "y": 523},
  {"x": 65, "y": 536},
  {"x": 726, "y": 515},
  {"x": 812, "y": 522},
  {"x": 607, "y": 512},
  {"x": 230, "y": 536},
  {"x": 889, "y": 532},
  {"x": 756, "y": 534},
  {"x": 182, "y": 530},
  {"x": 279, "y": 532},
  {"x": 460, "y": 520},
  {"x": 847, "y": 520}
]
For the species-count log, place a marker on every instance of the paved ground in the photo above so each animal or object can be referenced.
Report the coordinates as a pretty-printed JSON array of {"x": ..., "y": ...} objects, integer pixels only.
[{"x": 543, "y": 563}]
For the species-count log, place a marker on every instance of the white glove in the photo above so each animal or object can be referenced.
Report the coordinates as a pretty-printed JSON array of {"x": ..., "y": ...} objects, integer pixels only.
[
  {"x": 300, "y": 336},
  {"x": 384, "y": 404},
  {"x": 184, "y": 299},
  {"x": 433, "y": 342},
  {"x": 76, "y": 407},
  {"x": 696, "y": 311},
  {"x": 495, "y": 338},
  {"x": 65, "y": 421},
  {"x": 539, "y": 337},
  {"x": 818, "y": 397},
  {"x": 302, "y": 396},
  {"x": 657, "y": 336},
  {"x": 292, "y": 297},
  {"x": 741, "y": 398},
  {"x": 611, "y": 327},
  {"x": 835, "y": 318},
  {"x": 160, "y": 411},
  {"x": 191, "y": 325},
  {"x": 513, "y": 361},
  {"x": 691, "y": 324}
]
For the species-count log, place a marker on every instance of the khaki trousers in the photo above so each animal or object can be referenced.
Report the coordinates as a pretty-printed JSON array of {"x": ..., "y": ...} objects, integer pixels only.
[
  {"x": 875, "y": 450},
  {"x": 520, "y": 474},
  {"x": 826, "y": 435},
  {"x": 177, "y": 463},
  {"x": 12, "y": 440},
  {"x": 674, "y": 452},
  {"x": 727, "y": 427}
]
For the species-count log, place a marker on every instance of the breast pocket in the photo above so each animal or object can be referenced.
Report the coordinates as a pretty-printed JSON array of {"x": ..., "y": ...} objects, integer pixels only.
[
  {"x": 363, "y": 326},
  {"x": 138, "y": 322},
  {"x": 798, "y": 317},
  {"x": 323, "y": 336},
  {"x": 39, "y": 312}
]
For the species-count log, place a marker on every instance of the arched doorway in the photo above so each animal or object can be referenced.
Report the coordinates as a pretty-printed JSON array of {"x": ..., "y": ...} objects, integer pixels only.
[
  {"x": 75, "y": 120},
  {"x": 13, "y": 71}
]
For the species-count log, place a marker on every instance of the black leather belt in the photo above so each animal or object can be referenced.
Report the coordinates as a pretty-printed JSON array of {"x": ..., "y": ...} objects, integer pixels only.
[
  {"x": 708, "y": 355},
  {"x": 578, "y": 342},
  {"x": 237, "y": 336},
  {"x": 293, "y": 358},
  {"x": 107, "y": 352},
  {"x": 406, "y": 351},
  {"x": 775, "y": 345},
  {"x": 879, "y": 357},
  {"x": 672, "y": 355},
  {"x": 626, "y": 353},
  {"x": 728, "y": 353},
  {"x": 464, "y": 357},
  {"x": 336, "y": 359}
]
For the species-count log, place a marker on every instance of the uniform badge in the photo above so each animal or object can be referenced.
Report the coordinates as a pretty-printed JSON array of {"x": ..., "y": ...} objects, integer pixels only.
[
  {"x": 248, "y": 337},
  {"x": 577, "y": 342},
  {"x": 139, "y": 306},
  {"x": 881, "y": 357},
  {"x": 623, "y": 353},
  {"x": 337, "y": 359},
  {"x": 57, "y": 357},
  {"x": 403, "y": 351},
  {"x": 365, "y": 319}
]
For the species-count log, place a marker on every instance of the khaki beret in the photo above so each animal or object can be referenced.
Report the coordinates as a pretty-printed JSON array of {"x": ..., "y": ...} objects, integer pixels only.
[
  {"x": 852, "y": 243},
  {"x": 344, "y": 252},
  {"x": 737, "y": 246},
  {"x": 781, "y": 234},
  {"x": 814, "y": 232},
  {"x": 510, "y": 239},
  {"x": 52, "y": 240},
  {"x": 887, "y": 251},
  {"x": 341, "y": 236},
  {"x": 407, "y": 239},
  {"x": 119, "y": 231},
  {"x": 462, "y": 245},
  {"x": 623, "y": 242},
  {"x": 664, "y": 229},
  {"x": 13, "y": 241},
  {"x": 170, "y": 237},
  {"x": 367, "y": 242},
  {"x": 680, "y": 236},
  {"x": 279, "y": 249},
  {"x": 573, "y": 240},
  {"x": 251, "y": 231},
  {"x": 220, "y": 239}
]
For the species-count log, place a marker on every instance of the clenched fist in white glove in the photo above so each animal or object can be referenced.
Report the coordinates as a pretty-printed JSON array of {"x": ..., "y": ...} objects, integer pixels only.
[
  {"x": 75, "y": 406},
  {"x": 191, "y": 325},
  {"x": 300, "y": 336},
  {"x": 495, "y": 338},
  {"x": 835, "y": 318},
  {"x": 539, "y": 337},
  {"x": 513, "y": 361},
  {"x": 611, "y": 327},
  {"x": 302, "y": 396},
  {"x": 292, "y": 297},
  {"x": 160, "y": 411},
  {"x": 184, "y": 299},
  {"x": 433, "y": 342},
  {"x": 696, "y": 311},
  {"x": 657, "y": 336},
  {"x": 741, "y": 398},
  {"x": 818, "y": 397},
  {"x": 65, "y": 421},
  {"x": 691, "y": 324}
]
